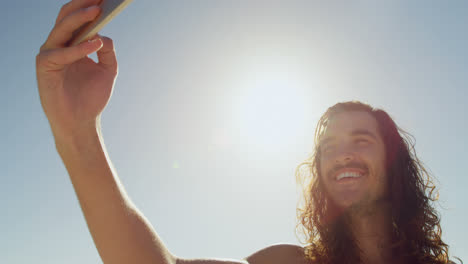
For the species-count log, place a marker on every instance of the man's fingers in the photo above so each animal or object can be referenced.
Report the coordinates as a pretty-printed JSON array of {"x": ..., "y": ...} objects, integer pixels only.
[
  {"x": 106, "y": 55},
  {"x": 63, "y": 31},
  {"x": 74, "y": 5},
  {"x": 55, "y": 60}
]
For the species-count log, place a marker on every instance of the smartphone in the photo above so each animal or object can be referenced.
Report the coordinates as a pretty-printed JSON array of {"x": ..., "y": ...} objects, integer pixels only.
[{"x": 109, "y": 10}]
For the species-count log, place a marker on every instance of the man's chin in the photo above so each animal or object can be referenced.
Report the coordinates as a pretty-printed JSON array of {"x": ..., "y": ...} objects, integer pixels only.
[
  {"x": 346, "y": 202},
  {"x": 361, "y": 206}
]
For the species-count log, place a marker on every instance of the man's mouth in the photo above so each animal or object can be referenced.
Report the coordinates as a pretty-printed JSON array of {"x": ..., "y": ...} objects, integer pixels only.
[
  {"x": 351, "y": 171},
  {"x": 346, "y": 174}
]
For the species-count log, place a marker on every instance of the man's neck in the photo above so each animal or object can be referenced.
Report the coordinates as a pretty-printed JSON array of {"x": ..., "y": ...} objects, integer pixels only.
[{"x": 372, "y": 231}]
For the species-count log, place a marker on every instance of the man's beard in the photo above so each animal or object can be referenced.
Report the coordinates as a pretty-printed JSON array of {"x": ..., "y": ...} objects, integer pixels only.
[{"x": 367, "y": 206}]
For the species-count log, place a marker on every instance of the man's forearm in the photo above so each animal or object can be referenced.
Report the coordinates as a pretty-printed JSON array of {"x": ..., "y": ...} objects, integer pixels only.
[{"x": 121, "y": 233}]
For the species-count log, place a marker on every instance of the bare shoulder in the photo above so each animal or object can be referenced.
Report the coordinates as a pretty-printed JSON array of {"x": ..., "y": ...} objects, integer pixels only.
[
  {"x": 278, "y": 254},
  {"x": 275, "y": 254}
]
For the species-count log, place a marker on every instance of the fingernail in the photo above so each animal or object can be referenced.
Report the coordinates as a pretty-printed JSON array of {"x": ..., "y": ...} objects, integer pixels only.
[
  {"x": 91, "y": 7},
  {"x": 93, "y": 40}
]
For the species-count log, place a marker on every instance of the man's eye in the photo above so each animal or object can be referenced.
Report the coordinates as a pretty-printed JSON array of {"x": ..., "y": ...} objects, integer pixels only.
[{"x": 362, "y": 141}]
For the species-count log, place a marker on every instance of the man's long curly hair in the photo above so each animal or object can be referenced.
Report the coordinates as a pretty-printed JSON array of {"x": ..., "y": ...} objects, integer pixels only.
[{"x": 416, "y": 234}]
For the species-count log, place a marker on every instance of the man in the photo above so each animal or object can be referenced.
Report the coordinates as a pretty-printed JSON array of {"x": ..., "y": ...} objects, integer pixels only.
[
  {"x": 366, "y": 201},
  {"x": 369, "y": 198}
]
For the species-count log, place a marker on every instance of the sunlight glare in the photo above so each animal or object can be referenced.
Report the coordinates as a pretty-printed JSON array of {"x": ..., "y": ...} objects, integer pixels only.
[{"x": 272, "y": 104}]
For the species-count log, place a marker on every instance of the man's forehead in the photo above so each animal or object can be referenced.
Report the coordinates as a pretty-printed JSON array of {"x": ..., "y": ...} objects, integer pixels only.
[{"x": 350, "y": 123}]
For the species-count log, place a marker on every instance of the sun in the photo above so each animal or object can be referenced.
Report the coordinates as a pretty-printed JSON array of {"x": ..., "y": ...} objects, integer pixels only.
[{"x": 271, "y": 104}]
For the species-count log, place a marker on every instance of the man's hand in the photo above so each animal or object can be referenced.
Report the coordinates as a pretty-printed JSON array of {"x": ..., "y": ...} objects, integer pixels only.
[{"x": 74, "y": 90}]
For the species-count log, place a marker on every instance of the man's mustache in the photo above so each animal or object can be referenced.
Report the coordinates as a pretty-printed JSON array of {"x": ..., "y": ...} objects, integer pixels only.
[{"x": 350, "y": 165}]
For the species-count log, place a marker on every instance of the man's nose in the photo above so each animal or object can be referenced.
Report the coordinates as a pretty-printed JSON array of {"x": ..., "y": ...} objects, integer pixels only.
[{"x": 344, "y": 155}]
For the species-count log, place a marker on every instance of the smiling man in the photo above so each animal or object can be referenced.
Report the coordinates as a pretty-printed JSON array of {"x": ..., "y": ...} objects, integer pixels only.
[
  {"x": 368, "y": 199},
  {"x": 352, "y": 163}
]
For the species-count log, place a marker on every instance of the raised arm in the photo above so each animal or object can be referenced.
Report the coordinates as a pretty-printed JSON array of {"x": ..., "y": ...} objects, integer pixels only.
[{"x": 74, "y": 91}]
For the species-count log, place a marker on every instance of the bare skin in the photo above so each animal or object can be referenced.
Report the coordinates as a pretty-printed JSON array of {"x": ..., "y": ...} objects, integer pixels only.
[
  {"x": 352, "y": 143},
  {"x": 74, "y": 91}
]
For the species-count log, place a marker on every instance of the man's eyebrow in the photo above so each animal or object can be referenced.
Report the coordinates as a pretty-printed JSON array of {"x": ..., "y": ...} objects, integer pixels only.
[
  {"x": 365, "y": 132},
  {"x": 357, "y": 132}
]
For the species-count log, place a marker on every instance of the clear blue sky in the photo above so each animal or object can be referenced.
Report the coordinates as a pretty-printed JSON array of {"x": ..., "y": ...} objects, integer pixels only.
[{"x": 215, "y": 105}]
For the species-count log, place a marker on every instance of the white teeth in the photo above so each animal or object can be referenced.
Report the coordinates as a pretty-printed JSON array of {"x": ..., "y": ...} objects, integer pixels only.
[{"x": 348, "y": 174}]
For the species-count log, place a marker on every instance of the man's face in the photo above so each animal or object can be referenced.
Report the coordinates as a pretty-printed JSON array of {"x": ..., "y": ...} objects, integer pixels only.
[{"x": 352, "y": 160}]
